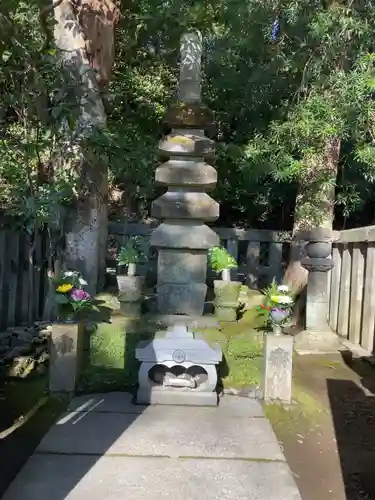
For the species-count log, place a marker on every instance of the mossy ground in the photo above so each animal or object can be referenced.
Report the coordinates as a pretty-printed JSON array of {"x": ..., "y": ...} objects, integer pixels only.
[{"x": 111, "y": 364}]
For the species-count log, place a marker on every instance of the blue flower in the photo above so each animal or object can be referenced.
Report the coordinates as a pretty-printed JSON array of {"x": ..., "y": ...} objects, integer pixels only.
[{"x": 275, "y": 30}]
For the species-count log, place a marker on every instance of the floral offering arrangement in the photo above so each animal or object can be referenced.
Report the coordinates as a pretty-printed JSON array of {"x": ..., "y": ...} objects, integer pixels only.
[
  {"x": 277, "y": 304},
  {"x": 70, "y": 296}
]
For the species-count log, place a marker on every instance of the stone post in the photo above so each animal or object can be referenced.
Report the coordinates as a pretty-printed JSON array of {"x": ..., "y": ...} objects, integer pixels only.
[
  {"x": 277, "y": 368},
  {"x": 318, "y": 336},
  {"x": 183, "y": 240},
  {"x": 66, "y": 352}
]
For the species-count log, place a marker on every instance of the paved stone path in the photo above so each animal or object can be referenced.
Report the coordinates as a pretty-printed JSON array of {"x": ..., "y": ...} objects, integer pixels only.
[{"x": 105, "y": 447}]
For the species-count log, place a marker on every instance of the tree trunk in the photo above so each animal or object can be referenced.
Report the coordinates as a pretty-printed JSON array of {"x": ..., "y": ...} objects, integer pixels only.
[
  {"x": 86, "y": 236},
  {"x": 314, "y": 208}
]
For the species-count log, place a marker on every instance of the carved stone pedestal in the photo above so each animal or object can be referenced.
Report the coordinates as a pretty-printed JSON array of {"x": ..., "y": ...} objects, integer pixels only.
[
  {"x": 278, "y": 363},
  {"x": 66, "y": 352}
]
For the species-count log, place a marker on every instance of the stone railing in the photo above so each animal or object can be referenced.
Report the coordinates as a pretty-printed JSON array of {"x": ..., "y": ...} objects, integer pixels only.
[
  {"x": 352, "y": 286},
  {"x": 261, "y": 254}
]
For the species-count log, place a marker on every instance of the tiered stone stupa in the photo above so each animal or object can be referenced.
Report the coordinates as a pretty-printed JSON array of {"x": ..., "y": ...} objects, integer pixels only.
[{"x": 182, "y": 239}]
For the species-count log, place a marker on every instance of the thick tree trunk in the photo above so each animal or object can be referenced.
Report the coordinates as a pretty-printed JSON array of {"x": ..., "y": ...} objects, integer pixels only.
[
  {"x": 314, "y": 208},
  {"x": 86, "y": 236}
]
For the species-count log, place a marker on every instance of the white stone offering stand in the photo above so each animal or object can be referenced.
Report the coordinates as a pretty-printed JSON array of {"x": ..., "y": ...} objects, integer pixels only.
[{"x": 179, "y": 369}]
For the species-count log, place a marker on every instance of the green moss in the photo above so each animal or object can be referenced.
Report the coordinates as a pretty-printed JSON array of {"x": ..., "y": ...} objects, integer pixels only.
[
  {"x": 111, "y": 362},
  {"x": 212, "y": 335},
  {"x": 305, "y": 410},
  {"x": 245, "y": 346},
  {"x": 243, "y": 360},
  {"x": 250, "y": 320},
  {"x": 242, "y": 372},
  {"x": 107, "y": 345}
]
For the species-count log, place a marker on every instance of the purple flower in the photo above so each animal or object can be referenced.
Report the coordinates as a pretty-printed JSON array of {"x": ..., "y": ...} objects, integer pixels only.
[{"x": 78, "y": 295}]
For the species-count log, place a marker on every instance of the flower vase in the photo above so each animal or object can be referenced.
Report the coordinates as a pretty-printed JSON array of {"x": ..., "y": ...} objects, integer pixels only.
[
  {"x": 65, "y": 315},
  {"x": 69, "y": 319},
  {"x": 278, "y": 317}
]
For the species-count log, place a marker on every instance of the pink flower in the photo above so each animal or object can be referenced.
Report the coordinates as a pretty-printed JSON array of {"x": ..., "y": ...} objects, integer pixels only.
[{"x": 77, "y": 295}]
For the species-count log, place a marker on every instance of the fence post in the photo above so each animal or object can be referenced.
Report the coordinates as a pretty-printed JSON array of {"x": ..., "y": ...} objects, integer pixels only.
[
  {"x": 334, "y": 296},
  {"x": 367, "y": 340},
  {"x": 3, "y": 268},
  {"x": 344, "y": 297},
  {"x": 275, "y": 254},
  {"x": 232, "y": 247},
  {"x": 252, "y": 262},
  {"x": 356, "y": 292}
]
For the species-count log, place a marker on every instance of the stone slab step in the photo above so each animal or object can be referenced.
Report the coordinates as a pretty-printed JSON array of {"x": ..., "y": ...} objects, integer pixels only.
[
  {"x": 122, "y": 402},
  {"x": 164, "y": 431},
  {"x": 47, "y": 477}
]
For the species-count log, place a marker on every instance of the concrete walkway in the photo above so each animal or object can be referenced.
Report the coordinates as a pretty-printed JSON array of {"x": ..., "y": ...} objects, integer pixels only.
[{"x": 106, "y": 448}]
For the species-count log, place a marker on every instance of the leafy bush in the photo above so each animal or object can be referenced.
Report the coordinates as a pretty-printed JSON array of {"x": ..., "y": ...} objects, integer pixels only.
[
  {"x": 221, "y": 259},
  {"x": 131, "y": 252}
]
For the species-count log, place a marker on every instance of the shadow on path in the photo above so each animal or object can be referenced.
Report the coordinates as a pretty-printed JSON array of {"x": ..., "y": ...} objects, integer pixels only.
[
  {"x": 353, "y": 413},
  {"x": 78, "y": 440}
]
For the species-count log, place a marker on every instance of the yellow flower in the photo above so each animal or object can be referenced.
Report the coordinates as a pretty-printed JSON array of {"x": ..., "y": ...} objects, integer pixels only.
[{"x": 64, "y": 288}]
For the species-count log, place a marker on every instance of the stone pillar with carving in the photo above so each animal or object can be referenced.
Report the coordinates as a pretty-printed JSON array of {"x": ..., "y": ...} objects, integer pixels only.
[
  {"x": 182, "y": 240},
  {"x": 318, "y": 335}
]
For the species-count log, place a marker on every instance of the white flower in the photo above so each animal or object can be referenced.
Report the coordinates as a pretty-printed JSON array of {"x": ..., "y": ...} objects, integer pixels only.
[
  {"x": 68, "y": 274},
  {"x": 285, "y": 299},
  {"x": 82, "y": 281},
  {"x": 283, "y": 288}
]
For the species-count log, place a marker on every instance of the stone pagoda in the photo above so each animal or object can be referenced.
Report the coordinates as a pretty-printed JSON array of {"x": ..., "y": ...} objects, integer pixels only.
[{"x": 182, "y": 239}]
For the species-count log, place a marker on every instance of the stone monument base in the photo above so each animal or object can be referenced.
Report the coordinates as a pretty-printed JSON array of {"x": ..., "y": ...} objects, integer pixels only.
[
  {"x": 312, "y": 342},
  {"x": 160, "y": 396}
]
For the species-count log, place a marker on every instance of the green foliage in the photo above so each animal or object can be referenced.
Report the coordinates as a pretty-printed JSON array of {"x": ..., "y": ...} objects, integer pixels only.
[
  {"x": 276, "y": 102},
  {"x": 269, "y": 291},
  {"x": 42, "y": 137},
  {"x": 221, "y": 259},
  {"x": 131, "y": 252}
]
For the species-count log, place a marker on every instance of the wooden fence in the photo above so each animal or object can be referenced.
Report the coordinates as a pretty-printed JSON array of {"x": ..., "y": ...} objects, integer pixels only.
[
  {"x": 352, "y": 286},
  {"x": 23, "y": 283}
]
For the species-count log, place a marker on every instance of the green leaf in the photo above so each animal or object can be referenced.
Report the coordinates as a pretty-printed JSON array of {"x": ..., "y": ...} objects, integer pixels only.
[{"x": 60, "y": 298}]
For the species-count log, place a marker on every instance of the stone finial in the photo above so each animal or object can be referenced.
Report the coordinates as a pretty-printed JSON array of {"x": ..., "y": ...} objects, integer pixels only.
[{"x": 190, "y": 67}]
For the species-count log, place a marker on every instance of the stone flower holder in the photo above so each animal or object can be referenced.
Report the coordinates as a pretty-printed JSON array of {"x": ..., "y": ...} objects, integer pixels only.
[
  {"x": 226, "y": 299},
  {"x": 66, "y": 345},
  {"x": 131, "y": 290},
  {"x": 278, "y": 316}
]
